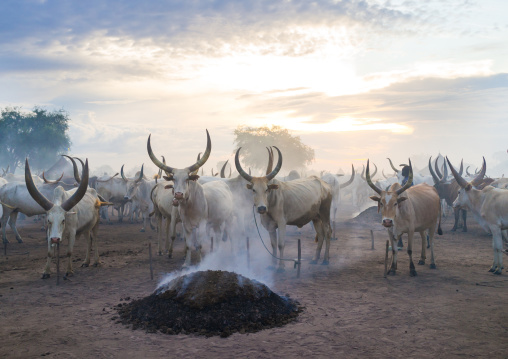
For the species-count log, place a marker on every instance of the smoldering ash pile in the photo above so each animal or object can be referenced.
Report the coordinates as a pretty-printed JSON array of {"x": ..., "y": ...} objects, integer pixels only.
[{"x": 209, "y": 303}]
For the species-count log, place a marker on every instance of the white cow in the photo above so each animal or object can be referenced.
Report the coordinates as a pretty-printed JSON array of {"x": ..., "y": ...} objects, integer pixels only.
[{"x": 138, "y": 193}]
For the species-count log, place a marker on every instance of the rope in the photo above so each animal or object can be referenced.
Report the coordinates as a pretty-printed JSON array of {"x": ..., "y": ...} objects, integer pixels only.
[{"x": 282, "y": 259}]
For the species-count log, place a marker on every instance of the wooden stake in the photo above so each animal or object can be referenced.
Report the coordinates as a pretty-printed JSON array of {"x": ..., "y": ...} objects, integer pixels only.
[
  {"x": 58, "y": 263},
  {"x": 248, "y": 253},
  {"x": 299, "y": 258},
  {"x": 386, "y": 258},
  {"x": 372, "y": 239},
  {"x": 211, "y": 248},
  {"x": 150, "y": 255}
]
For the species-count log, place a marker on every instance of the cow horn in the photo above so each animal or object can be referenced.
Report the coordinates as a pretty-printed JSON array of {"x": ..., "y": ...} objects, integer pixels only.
[
  {"x": 467, "y": 172},
  {"x": 52, "y": 182},
  {"x": 461, "y": 181},
  {"x": 239, "y": 168},
  {"x": 276, "y": 170},
  {"x": 461, "y": 170},
  {"x": 363, "y": 172},
  {"x": 123, "y": 176},
  {"x": 82, "y": 167},
  {"x": 375, "y": 171},
  {"x": 196, "y": 171},
  {"x": 345, "y": 184},
  {"x": 80, "y": 192},
  {"x": 409, "y": 181},
  {"x": 393, "y": 167},
  {"x": 74, "y": 168},
  {"x": 383, "y": 172},
  {"x": 369, "y": 181},
  {"x": 203, "y": 159},
  {"x": 479, "y": 178},
  {"x": 141, "y": 173},
  {"x": 223, "y": 169},
  {"x": 34, "y": 192},
  {"x": 249, "y": 171},
  {"x": 230, "y": 172},
  {"x": 445, "y": 173},
  {"x": 270, "y": 160},
  {"x": 438, "y": 172},
  {"x": 433, "y": 174},
  {"x": 154, "y": 159}
]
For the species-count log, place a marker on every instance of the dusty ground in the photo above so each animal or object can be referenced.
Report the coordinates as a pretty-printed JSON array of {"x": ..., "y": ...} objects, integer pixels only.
[{"x": 457, "y": 310}]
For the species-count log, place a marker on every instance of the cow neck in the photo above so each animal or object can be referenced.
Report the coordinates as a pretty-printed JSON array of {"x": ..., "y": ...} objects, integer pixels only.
[
  {"x": 195, "y": 195},
  {"x": 475, "y": 197}
]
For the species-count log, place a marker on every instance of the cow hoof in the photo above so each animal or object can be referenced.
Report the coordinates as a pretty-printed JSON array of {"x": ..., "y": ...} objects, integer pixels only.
[
  {"x": 453, "y": 229},
  {"x": 19, "y": 239},
  {"x": 96, "y": 265},
  {"x": 325, "y": 263},
  {"x": 421, "y": 262},
  {"x": 497, "y": 271},
  {"x": 142, "y": 230},
  {"x": 392, "y": 272},
  {"x": 412, "y": 273},
  {"x": 170, "y": 255},
  {"x": 433, "y": 266},
  {"x": 45, "y": 275},
  {"x": 282, "y": 270},
  {"x": 84, "y": 265},
  {"x": 313, "y": 262},
  {"x": 492, "y": 269}
]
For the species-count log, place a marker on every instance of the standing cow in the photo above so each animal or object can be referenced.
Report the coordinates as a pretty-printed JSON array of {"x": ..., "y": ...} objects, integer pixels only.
[{"x": 409, "y": 209}]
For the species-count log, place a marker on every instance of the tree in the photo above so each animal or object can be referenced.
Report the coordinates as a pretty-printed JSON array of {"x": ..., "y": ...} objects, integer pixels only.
[
  {"x": 254, "y": 141},
  {"x": 38, "y": 135}
]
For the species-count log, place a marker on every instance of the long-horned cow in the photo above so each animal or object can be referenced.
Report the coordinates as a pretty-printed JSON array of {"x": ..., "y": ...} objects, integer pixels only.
[
  {"x": 409, "y": 209},
  {"x": 491, "y": 205},
  {"x": 138, "y": 191},
  {"x": 70, "y": 214},
  {"x": 210, "y": 204},
  {"x": 295, "y": 202}
]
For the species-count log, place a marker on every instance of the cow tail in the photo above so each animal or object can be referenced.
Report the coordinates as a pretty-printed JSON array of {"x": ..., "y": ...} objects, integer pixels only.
[{"x": 439, "y": 230}]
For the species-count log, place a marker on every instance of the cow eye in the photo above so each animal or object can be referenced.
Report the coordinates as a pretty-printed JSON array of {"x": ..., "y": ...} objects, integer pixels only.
[{"x": 254, "y": 190}]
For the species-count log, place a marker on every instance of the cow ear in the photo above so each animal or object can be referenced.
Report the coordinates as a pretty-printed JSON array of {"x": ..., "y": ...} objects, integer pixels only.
[
  {"x": 168, "y": 186},
  {"x": 401, "y": 199},
  {"x": 193, "y": 177},
  {"x": 168, "y": 178},
  {"x": 249, "y": 185},
  {"x": 273, "y": 186},
  {"x": 375, "y": 198}
]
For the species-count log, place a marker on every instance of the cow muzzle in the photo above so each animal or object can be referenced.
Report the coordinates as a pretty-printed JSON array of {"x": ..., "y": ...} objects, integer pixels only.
[
  {"x": 178, "y": 195},
  {"x": 261, "y": 209},
  {"x": 55, "y": 240},
  {"x": 175, "y": 202},
  {"x": 126, "y": 198},
  {"x": 387, "y": 223}
]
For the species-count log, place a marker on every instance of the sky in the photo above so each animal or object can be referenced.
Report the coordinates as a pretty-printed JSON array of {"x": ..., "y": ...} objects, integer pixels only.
[{"x": 353, "y": 79}]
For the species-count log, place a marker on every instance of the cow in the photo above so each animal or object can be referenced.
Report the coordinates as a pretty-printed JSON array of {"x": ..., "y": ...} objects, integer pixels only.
[
  {"x": 199, "y": 206},
  {"x": 408, "y": 209},
  {"x": 417, "y": 178},
  {"x": 490, "y": 204},
  {"x": 138, "y": 193},
  {"x": 295, "y": 202},
  {"x": 71, "y": 214},
  {"x": 113, "y": 190},
  {"x": 163, "y": 207},
  {"x": 336, "y": 186}
]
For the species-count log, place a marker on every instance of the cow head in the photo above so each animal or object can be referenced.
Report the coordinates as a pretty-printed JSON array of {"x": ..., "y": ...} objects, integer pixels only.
[
  {"x": 462, "y": 199},
  {"x": 56, "y": 214},
  {"x": 259, "y": 185},
  {"x": 388, "y": 201},
  {"x": 132, "y": 185},
  {"x": 181, "y": 177}
]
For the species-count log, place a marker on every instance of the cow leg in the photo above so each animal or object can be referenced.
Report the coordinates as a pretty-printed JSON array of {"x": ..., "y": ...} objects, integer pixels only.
[
  {"x": 3, "y": 222},
  {"x": 188, "y": 245},
  {"x": 95, "y": 241},
  {"x": 47, "y": 270},
  {"x": 424, "y": 247},
  {"x": 282, "y": 243},
  {"x": 12, "y": 222},
  {"x": 88, "y": 240},
  {"x": 273, "y": 241},
  {"x": 497, "y": 246},
  {"x": 464, "y": 217},
  {"x": 432, "y": 233},
  {"x": 159, "y": 234},
  {"x": 412, "y": 269},
  {"x": 144, "y": 216},
  {"x": 72, "y": 239},
  {"x": 393, "y": 240}
]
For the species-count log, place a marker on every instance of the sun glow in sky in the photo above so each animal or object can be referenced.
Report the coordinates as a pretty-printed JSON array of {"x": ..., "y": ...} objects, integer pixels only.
[{"x": 373, "y": 76}]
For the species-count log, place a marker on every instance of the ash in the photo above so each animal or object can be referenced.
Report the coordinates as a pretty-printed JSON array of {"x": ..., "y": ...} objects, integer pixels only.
[{"x": 210, "y": 303}]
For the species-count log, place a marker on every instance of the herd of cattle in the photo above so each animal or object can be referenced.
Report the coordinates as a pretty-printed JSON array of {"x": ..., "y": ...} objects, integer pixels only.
[{"x": 224, "y": 207}]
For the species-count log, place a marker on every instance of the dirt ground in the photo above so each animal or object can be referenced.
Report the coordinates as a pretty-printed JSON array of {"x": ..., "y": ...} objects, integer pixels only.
[{"x": 351, "y": 311}]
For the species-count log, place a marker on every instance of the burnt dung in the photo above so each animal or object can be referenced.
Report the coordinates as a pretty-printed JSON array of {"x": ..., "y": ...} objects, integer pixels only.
[{"x": 209, "y": 303}]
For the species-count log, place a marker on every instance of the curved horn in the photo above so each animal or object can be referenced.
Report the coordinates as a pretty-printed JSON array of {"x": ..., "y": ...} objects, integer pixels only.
[
  {"x": 270, "y": 160},
  {"x": 435, "y": 178},
  {"x": 203, "y": 159},
  {"x": 239, "y": 168},
  {"x": 52, "y": 182},
  {"x": 438, "y": 172},
  {"x": 383, "y": 172},
  {"x": 80, "y": 192},
  {"x": 362, "y": 174},
  {"x": 75, "y": 168},
  {"x": 34, "y": 192},
  {"x": 461, "y": 170},
  {"x": 375, "y": 171},
  {"x": 369, "y": 181},
  {"x": 154, "y": 159},
  {"x": 345, "y": 184},
  {"x": 479, "y": 178},
  {"x": 196, "y": 171},
  {"x": 445, "y": 173},
  {"x": 461, "y": 181},
  {"x": 141, "y": 173},
  {"x": 467, "y": 172},
  {"x": 393, "y": 167},
  {"x": 409, "y": 181},
  {"x": 276, "y": 170},
  {"x": 109, "y": 179},
  {"x": 230, "y": 172},
  {"x": 223, "y": 169},
  {"x": 249, "y": 171},
  {"x": 123, "y": 176}
]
